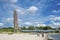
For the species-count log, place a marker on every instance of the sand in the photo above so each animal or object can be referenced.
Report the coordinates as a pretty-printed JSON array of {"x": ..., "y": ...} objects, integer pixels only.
[{"x": 23, "y": 36}]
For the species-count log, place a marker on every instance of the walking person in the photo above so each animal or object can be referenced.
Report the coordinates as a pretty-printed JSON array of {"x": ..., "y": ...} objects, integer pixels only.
[{"x": 42, "y": 34}]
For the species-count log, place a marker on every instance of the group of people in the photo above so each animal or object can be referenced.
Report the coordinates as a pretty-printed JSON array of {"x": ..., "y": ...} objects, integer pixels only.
[
  {"x": 42, "y": 34},
  {"x": 38, "y": 34}
]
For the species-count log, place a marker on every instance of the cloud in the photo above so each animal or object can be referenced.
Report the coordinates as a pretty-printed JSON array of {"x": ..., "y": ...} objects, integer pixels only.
[
  {"x": 9, "y": 1},
  {"x": 38, "y": 22},
  {"x": 41, "y": 25},
  {"x": 9, "y": 19},
  {"x": 56, "y": 11},
  {"x": 56, "y": 23},
  {"x": 32, "y": 9},
  {"x": 21, "y": 11},
  {"x": 1, "y": 24},
  {"x": 12, "y": 19},
  {"x": 28, "y": 23},
  {"x": 57, "y": 18},
  {"x": 58, "y": 3},
  {"x": 13, "y": 1},
  {"x": 54, "y": 18}
]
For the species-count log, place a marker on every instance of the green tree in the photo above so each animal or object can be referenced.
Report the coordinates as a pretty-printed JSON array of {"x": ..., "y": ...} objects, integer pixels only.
[
  {"x": 41, "y": 27},
  {"x": 24, "y": 28},
  {"x": 47, "y": 28},
  {"x": 59, "y": 28},
  {"x": 31, "y": 27}
]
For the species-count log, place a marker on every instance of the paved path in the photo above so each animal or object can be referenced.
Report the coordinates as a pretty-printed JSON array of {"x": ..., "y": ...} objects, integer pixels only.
[{"x": 21, "y": 37}]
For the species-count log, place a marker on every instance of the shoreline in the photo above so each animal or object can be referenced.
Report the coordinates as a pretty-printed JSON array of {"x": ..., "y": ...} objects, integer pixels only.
[
  {"x": 53, "y": 33},
  {"x": 22, "y": 36},
  {"x": 25, "y": 36}
]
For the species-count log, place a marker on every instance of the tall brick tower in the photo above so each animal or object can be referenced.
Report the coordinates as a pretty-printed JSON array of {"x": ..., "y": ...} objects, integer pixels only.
[{"x": 15, "y": 21}]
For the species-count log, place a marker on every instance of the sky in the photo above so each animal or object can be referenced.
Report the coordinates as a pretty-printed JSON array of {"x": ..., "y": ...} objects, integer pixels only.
[{"x": 30, "y": 12}]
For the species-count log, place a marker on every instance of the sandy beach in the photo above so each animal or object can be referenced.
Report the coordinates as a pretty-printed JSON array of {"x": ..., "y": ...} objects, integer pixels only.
[{"x": 22, "y": 36}]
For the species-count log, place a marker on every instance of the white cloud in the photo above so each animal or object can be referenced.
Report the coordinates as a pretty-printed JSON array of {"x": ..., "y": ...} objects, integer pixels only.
[
  {"x": 1, "y": 24},
  {"x": 56, "y": 11},
  {"x": 41, "y": 25},
  {"x": 13, "y": 1},
  {"x": 51, "y": 15},
  {"x": 19, "y": 21},
  {"x": 58, "y": 3},
  {"x": 28, "y": 23},
  {"x": 32, "y": 9},
  {"x": 38, "y": 22},
  {"x": 54, "y": 18},
  {"x": 9, "y": 19},
  {"x": 21, "y": 11},
  {"x": 55, "y": 23},
  {"x": 57, "y": 18}
]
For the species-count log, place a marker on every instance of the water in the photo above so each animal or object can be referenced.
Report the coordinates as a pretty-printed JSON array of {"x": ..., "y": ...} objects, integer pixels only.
[
  {"x": 55, "y": 36},
  {"x": 37, "y": 31}
]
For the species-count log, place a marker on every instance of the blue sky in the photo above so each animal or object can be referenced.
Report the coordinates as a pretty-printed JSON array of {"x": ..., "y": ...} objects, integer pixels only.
[{"x": 30, "y": 12}]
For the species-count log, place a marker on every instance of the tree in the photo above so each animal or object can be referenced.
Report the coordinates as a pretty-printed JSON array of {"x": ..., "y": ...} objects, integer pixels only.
[
  {"x": 31, "y": 27},
  {"x": 47, "y": 28},
  {"x": 41, "y": 27},
  {"x": 24, "y": 28},
  {"x": 59, "y": 28}
]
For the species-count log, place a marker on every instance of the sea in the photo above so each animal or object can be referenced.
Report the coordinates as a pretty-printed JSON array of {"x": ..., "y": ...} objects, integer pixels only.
[{"x": 55, "y": 36}]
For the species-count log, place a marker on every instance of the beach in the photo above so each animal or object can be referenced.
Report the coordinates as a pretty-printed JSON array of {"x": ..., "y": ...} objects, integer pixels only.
[{"x": 22, "y": 36}]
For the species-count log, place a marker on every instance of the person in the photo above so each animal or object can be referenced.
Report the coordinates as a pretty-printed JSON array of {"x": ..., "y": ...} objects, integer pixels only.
[
  {"x": 38, "y": 34},
  {"x": 42, "y": 34}
]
